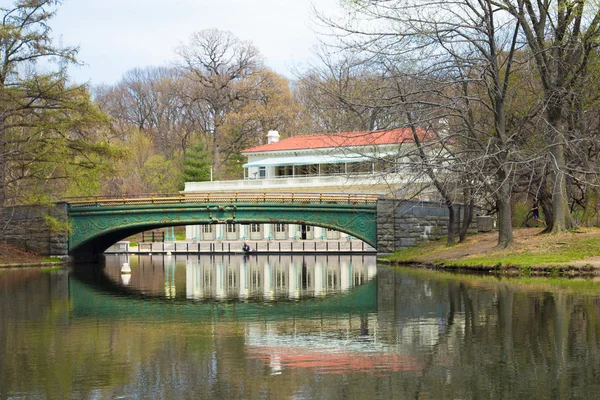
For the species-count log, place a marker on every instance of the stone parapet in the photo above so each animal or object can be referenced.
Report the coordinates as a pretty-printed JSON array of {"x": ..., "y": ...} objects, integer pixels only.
[{"x": 41, "y": 229}]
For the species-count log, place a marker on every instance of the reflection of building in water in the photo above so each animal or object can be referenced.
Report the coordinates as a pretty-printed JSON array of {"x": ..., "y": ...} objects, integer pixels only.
[
  {"x": 271, "y": 278},
  {"x": 343, "y": 345},
  {"x": 238, "y": 277},
  {"x": 158, "y": 275}
]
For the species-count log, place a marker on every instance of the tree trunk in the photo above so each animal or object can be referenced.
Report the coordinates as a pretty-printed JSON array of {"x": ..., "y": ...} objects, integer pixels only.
[
  {"x": 545, "y": 203},
  {"x": 216, "y": 150},
  {"x": 561, "y": 221},
  {"x": 505, "y": 234},
  {"x": 438, "y": 185},
  {"x": 467, "y": 218},
  {"x": 591, "y": 199},
  {"x": 451, "y": 225},
  {"x": 2, "y": 162}
]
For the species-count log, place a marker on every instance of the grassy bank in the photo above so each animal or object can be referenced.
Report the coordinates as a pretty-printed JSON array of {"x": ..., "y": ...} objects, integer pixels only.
[
  {"x": 571, "y": 253},
  {"x": 13, "y": 256}
]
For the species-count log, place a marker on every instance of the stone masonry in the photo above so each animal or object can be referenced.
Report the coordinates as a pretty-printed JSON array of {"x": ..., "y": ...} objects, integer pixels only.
[
  {"x": 406, "y": 223},
  {"x": 30, "y": 228}
]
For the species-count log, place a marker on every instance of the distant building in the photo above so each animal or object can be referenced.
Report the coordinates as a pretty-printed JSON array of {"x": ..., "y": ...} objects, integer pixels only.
[{"x": 350, "y": 162}]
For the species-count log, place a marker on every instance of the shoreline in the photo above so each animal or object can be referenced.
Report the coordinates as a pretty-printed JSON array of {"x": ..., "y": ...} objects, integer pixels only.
[
  {"x": 565, "y": 271},
  {"x": 43, "y": 264},
  {"x": 568, "y": 255}
]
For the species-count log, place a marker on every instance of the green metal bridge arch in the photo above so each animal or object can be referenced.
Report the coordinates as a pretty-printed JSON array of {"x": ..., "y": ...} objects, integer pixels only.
[{"x": 97, "y": 224}]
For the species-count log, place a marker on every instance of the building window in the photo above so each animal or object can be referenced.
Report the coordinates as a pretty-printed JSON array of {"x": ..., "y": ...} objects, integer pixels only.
[
  {"x": 254, "y": 228},
  {"x": 231, "y": 228},
  {"x": 262, "y": 172},
  {"x": 280, "y": 228},
  {"x": 207, "y": 229}
]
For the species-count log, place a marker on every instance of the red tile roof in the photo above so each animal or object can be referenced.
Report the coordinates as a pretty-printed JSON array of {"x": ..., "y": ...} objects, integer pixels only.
[{"x": 342, "y": 139}]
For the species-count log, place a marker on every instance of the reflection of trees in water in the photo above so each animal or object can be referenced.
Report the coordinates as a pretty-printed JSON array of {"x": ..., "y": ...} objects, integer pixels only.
[
  {"x": 30, "y": 292},
  {"x": 495, "y": 340}
]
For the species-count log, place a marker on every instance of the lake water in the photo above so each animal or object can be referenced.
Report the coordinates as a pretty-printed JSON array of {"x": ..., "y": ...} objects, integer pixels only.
[{"x": 293, "y": 328}]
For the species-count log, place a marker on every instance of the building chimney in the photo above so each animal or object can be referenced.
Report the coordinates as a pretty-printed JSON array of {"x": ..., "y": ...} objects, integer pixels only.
[{"x": 272, "y": 137}]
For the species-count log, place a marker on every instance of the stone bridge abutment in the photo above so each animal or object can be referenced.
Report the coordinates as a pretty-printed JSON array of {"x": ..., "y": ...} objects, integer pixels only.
[
  {"x": 402, "y": 224},
  {"x": 40, "y": 229}
]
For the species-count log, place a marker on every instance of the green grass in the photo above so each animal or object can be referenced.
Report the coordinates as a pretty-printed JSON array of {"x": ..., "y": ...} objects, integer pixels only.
[
  {"x": 572, "y": 250},
  {"x": 567, "y": 249},
  {"x": 51, "y": 259},
  {"x": 133, "y": 244},
  {"x": 410, "y": 254}
]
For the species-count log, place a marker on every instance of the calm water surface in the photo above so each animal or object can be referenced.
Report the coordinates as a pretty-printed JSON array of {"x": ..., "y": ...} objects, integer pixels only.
[{"x": 293, "y": 328}]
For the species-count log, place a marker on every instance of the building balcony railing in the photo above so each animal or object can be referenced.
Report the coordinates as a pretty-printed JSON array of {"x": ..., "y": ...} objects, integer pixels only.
[{"x": 300, "y": 182}]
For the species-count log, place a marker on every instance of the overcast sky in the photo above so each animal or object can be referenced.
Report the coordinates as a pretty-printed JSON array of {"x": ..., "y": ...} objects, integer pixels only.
[{"x": 117, "y": 35}]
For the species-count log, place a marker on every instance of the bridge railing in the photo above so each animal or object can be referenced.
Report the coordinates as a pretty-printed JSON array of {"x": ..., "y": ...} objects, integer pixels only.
[{"x": 220, "y": 198}]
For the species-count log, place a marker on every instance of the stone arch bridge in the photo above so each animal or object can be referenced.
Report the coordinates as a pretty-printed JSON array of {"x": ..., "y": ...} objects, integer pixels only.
[
  {"x": 95, "y": 225},
  {"x": 85, "y": 229}
]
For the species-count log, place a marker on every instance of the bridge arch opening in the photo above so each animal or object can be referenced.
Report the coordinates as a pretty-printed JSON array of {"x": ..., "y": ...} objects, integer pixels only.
[{"x": 282, "y": 235}]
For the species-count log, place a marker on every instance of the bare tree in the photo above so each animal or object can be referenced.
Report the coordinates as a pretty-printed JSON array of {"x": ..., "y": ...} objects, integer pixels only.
[
  {"x": 468, "y": 50},
  {"x": 343, "y": 94},
  {"x": 217, "y": 63},
  {"x": 561, "y": 36},
  {"x": 152, "y": 100}
]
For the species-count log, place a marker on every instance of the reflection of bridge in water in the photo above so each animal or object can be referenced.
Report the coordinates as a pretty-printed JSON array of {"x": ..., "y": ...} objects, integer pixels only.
[{"x": 217, "y": 288}]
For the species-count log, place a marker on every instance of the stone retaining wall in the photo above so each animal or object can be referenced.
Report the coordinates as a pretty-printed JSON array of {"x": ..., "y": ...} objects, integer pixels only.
[
  {"x": 28, "y": 227},
  {"x": 406, "y": 223}
]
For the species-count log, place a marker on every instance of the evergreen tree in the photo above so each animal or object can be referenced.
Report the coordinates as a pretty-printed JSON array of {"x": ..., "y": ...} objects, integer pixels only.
[{"x": 196, "y": 164}]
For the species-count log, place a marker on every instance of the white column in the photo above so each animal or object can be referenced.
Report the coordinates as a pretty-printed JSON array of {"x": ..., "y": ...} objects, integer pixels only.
[
  {"x": 371, "y": 271},
  {"x": 319, "y": 232},
  {"x": 293, "y": 291},
  {"x": 219, "y": 284},
  {"x": 267, "y": 289},
  {"x": 345, "y": 283},
  {"x": 318, "y": 278},
  {"x": 193, "y": 280},
  {"x": 243, "y": 281}
]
